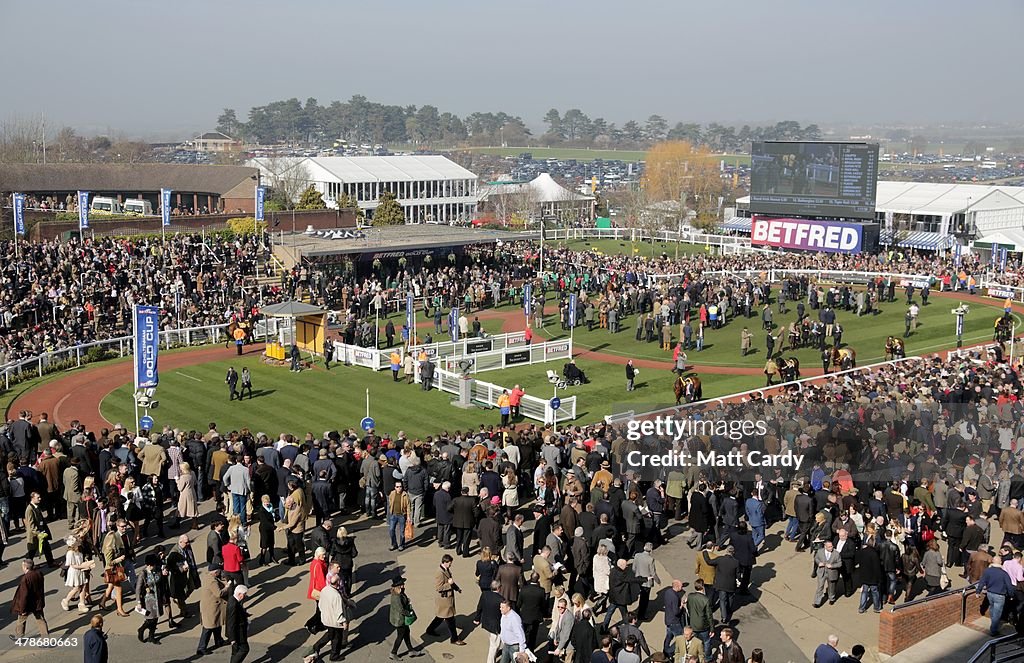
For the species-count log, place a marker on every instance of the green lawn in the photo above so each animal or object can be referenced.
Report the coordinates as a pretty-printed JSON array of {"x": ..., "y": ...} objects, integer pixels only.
[
  {"x": 311, "y": 401},
  {"x": 866, "y": 335}
]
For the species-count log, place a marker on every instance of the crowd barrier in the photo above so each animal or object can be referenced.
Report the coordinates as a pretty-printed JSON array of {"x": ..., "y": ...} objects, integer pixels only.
[
  {"x": 643, "y": 235},
  {"x": 487, "y": 393},
  {"x": 523, "y": 355}
]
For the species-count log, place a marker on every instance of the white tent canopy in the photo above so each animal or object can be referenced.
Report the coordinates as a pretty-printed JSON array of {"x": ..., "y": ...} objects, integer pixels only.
[{"x": 542, "y": 189}]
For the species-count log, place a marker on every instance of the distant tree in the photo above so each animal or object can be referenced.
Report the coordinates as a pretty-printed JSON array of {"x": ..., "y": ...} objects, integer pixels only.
[
  {"x": 554, "y": 122},
  {"x": 343, "y": 201},
  {"x": 287, "y": 178},
  {"x": 918, "y": 144},
  {"x": 632, "y": 132},
  {"x": 388, "y": 212},
  {"x": 311, "y": 199},
  {"x": 655, "y": 128},
  {"x": 680, "y": 172},
  {"x": 228, "y": 124}
]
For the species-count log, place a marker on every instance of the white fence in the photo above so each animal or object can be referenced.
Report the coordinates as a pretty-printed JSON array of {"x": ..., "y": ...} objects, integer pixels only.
[
  {"x": 720, "y": 401},
  {"x": 74, "y": 357},
  {"x": 472, "y": 345},
  {"x": 642, "y": 235},
  {"x": 487, "y": 393},
  {"x": 523, "y": 355}
]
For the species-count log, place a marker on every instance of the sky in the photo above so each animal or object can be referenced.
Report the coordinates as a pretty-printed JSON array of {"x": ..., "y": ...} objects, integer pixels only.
[{"x": 166, "y": 68}]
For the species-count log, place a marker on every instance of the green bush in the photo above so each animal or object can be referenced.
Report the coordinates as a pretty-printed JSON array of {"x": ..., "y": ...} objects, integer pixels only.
[
  {"x": 97, "y": 353},
  {"x": 246, "y": 225}
]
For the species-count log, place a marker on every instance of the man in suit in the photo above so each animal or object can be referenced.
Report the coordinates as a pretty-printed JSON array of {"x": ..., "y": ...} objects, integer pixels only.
[
  {"x": 238, "y": 625},
  {"x": 213, "y": 596},
  {"x": 631, "y": 516},
  {"x": 543, "y": 570},
  {"x": 623, "y": 589},
  {"x": 755, "y": 509},
  {"x": 231, "y": 379},
  {"x": 95, "y": 642},
  {"x": 532, "y": 606},
  {"x": 514, "y": 540},
  {"x": 846, "y": 548},
  {"x": 828, "y": 563},
  {"x": 954, "y": 523},
  {"x": 37, "y": 532},
  {"x": 746, "y": 554},
  {"x": 726, "y": 575},
  {"x": 561, "y": 630},
  {"x": 803, "y": 503},
  {"x": 510, "y": 579},
  {"x": 463, "y": 510},
  {"x": 488, "y": 616}
]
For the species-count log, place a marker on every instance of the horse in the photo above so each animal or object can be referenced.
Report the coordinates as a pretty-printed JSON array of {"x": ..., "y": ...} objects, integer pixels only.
[
  {"x": 789, "y": 369},
  {"x": 1002, "y": 329},
  {"x": 844, "y": 358},
  {"x": 688, "y": 388}
]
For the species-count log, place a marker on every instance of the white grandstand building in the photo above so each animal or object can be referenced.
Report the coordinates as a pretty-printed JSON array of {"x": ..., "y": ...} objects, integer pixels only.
[{"x": 430, "y": 189}]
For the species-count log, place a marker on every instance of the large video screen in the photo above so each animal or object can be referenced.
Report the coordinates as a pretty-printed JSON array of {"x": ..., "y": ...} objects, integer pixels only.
[{"x": 814, "y": 179}]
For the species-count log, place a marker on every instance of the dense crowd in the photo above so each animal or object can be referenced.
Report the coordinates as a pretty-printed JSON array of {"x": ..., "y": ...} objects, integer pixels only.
[{"x": 564, "y": 533}]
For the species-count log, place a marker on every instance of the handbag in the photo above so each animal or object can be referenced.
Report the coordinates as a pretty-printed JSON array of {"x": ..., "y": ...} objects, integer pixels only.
[
  {"x": 409, "y": 532},
  {"x": 410, "y": 617},
  {"x": 115, "y": 575},
  {"x": 944, "y": 581}
]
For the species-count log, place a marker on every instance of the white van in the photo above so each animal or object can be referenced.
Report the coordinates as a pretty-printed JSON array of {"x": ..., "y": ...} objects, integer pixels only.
[
  {"x": 136, "y": 206},
  {"x": 106, "y": 205}
]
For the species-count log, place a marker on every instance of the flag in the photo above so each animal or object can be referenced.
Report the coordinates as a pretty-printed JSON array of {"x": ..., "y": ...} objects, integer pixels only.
[
  {"x": 572, "y": 310},
  {"x": 453, "y": 324},
  {"x": 165, "y": 206},
  {"x": 261, "y": 194},
  {"x": 147, "y": 345},
  {"x": 410, "y": 308},
  {"x": 528, "y": 298},
  {"x": 19, "y": 214},
  {"x": 957, "y": 250},
  {"x": 1002, "y": 259},
  {"x": 83, "y": 210}
]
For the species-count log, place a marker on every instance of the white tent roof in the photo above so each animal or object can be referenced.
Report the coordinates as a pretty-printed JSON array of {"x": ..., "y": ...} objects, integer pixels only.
[
  {"x": 543, "y": 189},
  {"x": 1006, "y": 237},
  {"x": 410, "y": 168},
  {"x": 935, "y": 199}
]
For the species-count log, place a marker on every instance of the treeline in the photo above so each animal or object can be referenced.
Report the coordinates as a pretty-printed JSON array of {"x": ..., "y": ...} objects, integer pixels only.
[{"x": 362, "y": 121}]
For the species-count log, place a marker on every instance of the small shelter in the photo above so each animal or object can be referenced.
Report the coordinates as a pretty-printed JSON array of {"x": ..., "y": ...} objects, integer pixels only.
[{"x": 309, "y": 323}]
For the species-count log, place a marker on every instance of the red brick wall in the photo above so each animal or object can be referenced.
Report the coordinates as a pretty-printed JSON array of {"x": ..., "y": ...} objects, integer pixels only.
[{"x": 907, "y": 627}]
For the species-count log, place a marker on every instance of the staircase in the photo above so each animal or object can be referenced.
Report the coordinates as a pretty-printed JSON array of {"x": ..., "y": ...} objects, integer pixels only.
[{"x": 1007, "y": 649}]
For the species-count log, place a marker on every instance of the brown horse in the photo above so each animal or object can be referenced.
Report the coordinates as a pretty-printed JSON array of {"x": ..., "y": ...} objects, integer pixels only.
[
  {"x": 844, "y": 358},
  {"x": 688, "y": 388}
]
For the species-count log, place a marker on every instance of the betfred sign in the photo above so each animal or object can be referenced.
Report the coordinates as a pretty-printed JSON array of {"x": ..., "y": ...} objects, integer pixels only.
[
  {"x": 999, "y": 293},
  {"x": 807, "y": 235}
]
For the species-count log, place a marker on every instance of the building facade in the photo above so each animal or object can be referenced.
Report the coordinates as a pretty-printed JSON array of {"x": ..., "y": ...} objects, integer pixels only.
[{"x": 430, "y": 188}]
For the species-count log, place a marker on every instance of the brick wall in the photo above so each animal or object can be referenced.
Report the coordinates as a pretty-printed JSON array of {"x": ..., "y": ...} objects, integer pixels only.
[{"x": 906, "y": 627}]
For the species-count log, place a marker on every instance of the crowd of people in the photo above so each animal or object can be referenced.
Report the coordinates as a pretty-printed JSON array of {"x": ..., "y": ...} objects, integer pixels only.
[{"x": 900, "y": 461}]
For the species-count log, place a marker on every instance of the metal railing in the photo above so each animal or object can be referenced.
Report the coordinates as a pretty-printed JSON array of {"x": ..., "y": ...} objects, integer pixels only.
[
  {"x": 120, "y": 346},
  {"x": 643, "y": 235},
  {"x": 962, "y": 591},
  {"x": 1001, "y": 650}
]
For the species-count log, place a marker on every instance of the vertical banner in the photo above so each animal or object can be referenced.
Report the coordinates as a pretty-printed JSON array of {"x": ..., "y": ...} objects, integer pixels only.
[
  {"x": 409, "y": 312},
  {"x": 19, "y": 213},
  {"x": 83, "y": 210},
  {"x": 165, "y": 206},
  {"x": 147, "y": 345},
  {"x": 261, "y": 193},
  {"x": 1002, "y": 259},
  {"x": 959, "y": 325},
  {"x": 995, "y": 255},
  {"x": 528, "y": 299},
  {"x": 888, "y": 221},
  {"x": 957, "y": 251},
  {"x": 453, "y": 324},
  {"x": 944, "y": 224},
  {"x": 572, "y": 310}
]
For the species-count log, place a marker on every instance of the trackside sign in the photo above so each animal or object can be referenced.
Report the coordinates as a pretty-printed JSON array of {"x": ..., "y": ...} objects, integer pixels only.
[{"x": 807, "y": 235}]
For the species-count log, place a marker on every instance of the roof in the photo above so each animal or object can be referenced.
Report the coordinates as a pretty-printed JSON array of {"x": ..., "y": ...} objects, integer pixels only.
[
  {"x": 136, "y": 178},
  {"x": 542, "y": 189},
  {"x": 215, "y": 135},
  {"x": 408, "y": 168},
  {"x": 936, "y": 198},
  {"x": 290, "y": 310},
  {"x": 1010, "y": 238}
]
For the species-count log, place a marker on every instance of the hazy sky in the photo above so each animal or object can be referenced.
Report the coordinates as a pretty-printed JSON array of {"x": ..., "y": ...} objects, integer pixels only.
[{"x": 168, "y": 67}]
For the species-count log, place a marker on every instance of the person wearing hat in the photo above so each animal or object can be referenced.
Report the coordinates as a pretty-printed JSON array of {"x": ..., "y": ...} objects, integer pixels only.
[
  {"x": 213, "y": 596},
  {"x": 401, "y": 615},
  {"x": 603, "y": 475},
  {"x": 150, "y": 596}
]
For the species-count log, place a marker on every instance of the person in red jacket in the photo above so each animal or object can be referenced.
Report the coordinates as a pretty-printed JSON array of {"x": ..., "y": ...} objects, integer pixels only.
[
  {"x": 317, "y": 581},
  {"x": 529, "y": 335},
  {"x": 516, "y": 397}
]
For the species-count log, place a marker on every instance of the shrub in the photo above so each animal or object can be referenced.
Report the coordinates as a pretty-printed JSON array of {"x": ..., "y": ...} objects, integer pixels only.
[{"x": 246, "y": 225}]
